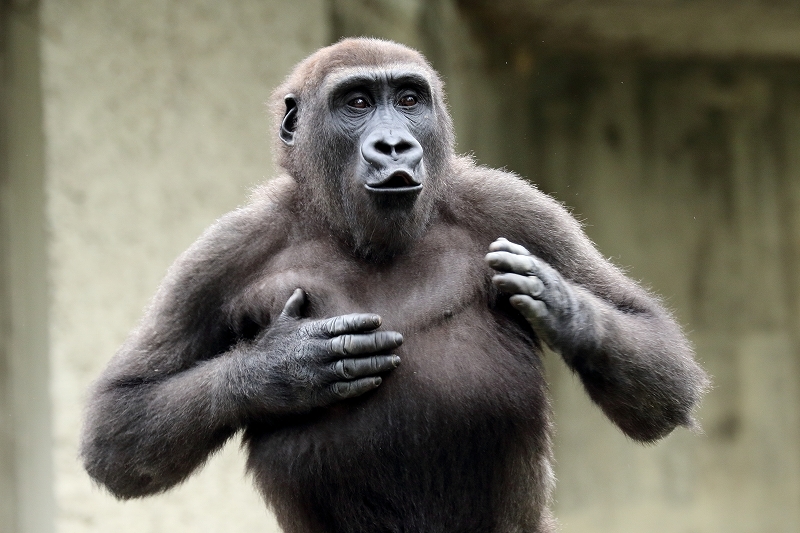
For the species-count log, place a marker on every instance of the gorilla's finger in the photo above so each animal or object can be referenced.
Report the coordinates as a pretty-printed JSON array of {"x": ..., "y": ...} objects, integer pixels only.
[
  {"x": 537, "y": 315},
  {"x": 294, "y": 305},
  {"x": 365, "y": 366},
  {"x": 355, "y": 323},
  {"x": 504, "y": 245},
  {"x": 517, "y": 284},
  {"x": 377, "y": 341},
  {"x": 350, "y": 389},
  {"x": 533, "y": 310},
  {"x": 510, "y": 262}
]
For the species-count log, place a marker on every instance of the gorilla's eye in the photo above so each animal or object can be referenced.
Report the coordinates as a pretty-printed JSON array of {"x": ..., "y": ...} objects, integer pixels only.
[
  {"x": 407, "y": 100},
  {"x": 358, "y": 103}
]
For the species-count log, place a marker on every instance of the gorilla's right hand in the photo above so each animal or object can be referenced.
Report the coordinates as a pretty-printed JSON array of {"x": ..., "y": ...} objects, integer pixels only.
[{"x": 297, "y": 365}]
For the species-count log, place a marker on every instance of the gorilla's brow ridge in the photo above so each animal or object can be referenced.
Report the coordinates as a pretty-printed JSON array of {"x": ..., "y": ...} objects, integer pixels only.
[{"x": 397, "y": 76}]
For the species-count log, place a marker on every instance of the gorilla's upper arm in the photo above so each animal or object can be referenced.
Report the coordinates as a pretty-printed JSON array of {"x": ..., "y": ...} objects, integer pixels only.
[{"x": 629, "y": 351}]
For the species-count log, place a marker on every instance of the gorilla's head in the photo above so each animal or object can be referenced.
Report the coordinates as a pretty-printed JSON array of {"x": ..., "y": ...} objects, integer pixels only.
[{"x": 364, "y": 130}]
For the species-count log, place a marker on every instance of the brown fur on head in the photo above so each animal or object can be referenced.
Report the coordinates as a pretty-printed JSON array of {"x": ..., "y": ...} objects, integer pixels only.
[{"x": 308, "y": 76}]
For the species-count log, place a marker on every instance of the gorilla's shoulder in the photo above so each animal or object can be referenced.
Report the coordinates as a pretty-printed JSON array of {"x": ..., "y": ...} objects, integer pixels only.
[
  {"x": 265, "y": 219},
  {"x": 270, "y": 208},
  {"x": 502, "y": 201},
  {"x": 277, "y": 193}
]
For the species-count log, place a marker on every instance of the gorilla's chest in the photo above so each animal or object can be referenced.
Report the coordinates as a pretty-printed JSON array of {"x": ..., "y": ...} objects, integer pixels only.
[
  {"x": 437, "y": 280},
  {"x": 458, "y": 348}
]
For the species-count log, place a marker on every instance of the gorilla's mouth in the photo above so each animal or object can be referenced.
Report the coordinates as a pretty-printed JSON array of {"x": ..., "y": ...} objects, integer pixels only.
[{"x": 399, "y": 181}]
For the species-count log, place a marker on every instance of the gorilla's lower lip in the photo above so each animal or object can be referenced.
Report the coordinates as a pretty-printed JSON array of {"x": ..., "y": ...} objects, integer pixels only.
[{"x": 399, "y": 181}]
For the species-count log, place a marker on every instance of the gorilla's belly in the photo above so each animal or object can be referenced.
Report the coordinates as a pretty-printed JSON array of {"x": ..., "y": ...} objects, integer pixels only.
[{"x": 421, "y": 452}]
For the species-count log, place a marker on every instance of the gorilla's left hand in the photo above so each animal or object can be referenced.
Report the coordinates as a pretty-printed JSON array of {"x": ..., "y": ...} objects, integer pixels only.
[{"x": 539, "y": 293}]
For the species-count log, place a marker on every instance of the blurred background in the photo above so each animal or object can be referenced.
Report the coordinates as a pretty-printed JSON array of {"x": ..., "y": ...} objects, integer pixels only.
[{"x": 671, "y": 128}]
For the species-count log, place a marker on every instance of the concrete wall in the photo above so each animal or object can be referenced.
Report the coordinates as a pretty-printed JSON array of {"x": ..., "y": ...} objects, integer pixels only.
[
  {"x": 26, "y": 504},
  {"x": 155, "y": 125}
]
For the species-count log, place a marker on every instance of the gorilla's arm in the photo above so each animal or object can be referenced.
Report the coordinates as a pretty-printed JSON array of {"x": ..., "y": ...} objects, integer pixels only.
[
  {"x": 635, "y": 363},
  {"x": 184, "y": 381},
  {"x": 629, "y": 352}
]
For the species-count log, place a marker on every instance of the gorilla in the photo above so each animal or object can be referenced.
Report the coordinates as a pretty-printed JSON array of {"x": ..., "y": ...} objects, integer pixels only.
[{"x": 373, "y": 320}]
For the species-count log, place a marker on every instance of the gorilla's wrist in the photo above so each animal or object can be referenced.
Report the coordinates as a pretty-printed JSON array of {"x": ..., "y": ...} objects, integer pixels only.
[
  {"x": 580, "y": 337},
  {"x": 267, "y": 381}
]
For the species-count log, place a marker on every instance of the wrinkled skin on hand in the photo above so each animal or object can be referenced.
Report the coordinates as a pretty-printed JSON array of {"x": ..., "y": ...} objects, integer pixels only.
[
  {"x": 308, "y": 364},
  {"x": 537, "y": 290}
]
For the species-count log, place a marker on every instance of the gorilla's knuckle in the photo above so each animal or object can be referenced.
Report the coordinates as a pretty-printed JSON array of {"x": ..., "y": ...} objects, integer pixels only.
[
  {"x": 341, "y": 388},
  {"x": 332, "y": 346},
  {"x": 323, "y": 327},
  {"x": 379, "y": 363},
  {"x": 539, "y": 309},
  {"x": 348, "y": 344},
  {"x": 344, "y": 369},
  {"x": 335, "y": 325},
  {"x": 374, "y": 341},
  {"x": 535, "y": 286},
  {"x": 306, "y": 331},
  {"x": 532, "y": 265}
]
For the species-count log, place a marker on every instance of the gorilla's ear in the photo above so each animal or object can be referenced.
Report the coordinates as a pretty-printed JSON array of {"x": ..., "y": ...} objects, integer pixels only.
[{"x": 289, "y": 120}]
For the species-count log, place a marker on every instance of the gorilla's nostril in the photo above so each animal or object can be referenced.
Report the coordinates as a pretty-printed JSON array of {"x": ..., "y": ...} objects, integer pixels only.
[
  {"x": 403, "y": 146},
  {"x": 393, "y": 148},
  {"x": 383, "y": 147}
]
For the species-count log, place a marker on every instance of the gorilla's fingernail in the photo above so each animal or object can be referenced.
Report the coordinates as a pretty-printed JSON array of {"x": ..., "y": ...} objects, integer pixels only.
[
  {"x": 395, "y": 360},
  {"x": 377, "y": 381}
]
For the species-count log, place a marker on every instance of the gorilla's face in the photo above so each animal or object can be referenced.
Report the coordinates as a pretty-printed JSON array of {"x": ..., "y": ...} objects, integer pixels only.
[
  {"x": 371, "y": 154},
  {"x": 385, "y": 111}
]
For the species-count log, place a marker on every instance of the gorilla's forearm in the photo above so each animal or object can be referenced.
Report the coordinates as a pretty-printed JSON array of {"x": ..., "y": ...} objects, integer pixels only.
[
  {"x": 143, "y": 436},
  {"x": 636, "y": 365},
  {"x": 149, "y": 429}
]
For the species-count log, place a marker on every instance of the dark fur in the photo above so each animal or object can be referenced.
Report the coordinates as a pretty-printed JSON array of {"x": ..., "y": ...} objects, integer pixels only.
[{"x": 455, "y": 439}]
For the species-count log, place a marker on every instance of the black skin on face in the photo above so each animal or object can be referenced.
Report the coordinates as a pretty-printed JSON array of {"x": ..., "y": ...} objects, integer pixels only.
[
  {"x": 372, "y": 323},
  {"x": 385, "y": 112}
]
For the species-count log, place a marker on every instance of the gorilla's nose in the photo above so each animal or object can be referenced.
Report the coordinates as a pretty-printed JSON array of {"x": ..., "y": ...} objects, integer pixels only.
[{"x": 386, "y": 148}]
